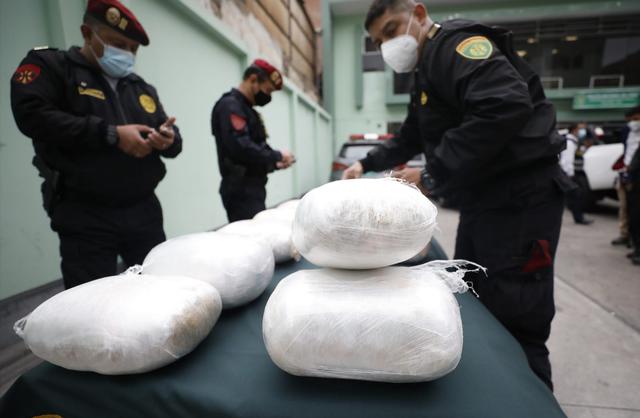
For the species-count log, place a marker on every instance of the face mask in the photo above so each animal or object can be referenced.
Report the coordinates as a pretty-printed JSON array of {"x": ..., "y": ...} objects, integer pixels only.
[
  {"x": 401, "y": 52},
  {"x": 115, "y": 62},
  {"x": 634, "y": 125},
  {"x": 582, "y": 132},
  {"x": 261, "y": 98}
]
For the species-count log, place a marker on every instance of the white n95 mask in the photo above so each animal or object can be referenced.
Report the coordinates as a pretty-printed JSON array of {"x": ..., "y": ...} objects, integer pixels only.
[{"x": 401, "y": 52}]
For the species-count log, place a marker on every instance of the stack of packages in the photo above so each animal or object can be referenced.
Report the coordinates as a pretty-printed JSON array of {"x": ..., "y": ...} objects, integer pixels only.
[
  {"x": 357, "y": 318},
  {"x": 158, "y": 312}
]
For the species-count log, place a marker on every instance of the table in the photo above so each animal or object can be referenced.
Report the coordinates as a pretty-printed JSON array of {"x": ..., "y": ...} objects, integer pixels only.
[{"x": 230, "y": 375}]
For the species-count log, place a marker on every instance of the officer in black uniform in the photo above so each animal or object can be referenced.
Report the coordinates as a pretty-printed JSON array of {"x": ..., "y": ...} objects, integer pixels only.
[
  {"x": 98, "y": 131},
  {"x": 479, "y": 114},
  {"x": 244, "y": 157}
]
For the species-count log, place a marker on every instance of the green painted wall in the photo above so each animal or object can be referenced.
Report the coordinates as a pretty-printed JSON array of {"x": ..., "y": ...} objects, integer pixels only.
[{"x": 193, "y": 58}]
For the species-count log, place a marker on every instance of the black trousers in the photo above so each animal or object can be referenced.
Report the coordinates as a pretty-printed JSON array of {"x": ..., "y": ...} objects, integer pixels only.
[
  {"x": 516, "y": 238},
  {"x": 633, "y": 210},
  {"x": 92, "y": 236},
  {"x": 576, "y": 199},
  {"x": 243, "y": 197}
]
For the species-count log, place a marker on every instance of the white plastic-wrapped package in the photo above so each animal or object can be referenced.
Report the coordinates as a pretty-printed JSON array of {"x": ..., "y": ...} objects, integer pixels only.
[
  {"x": 122, "y": 324},
  {"x": 290, "y": 205},
  {"x": 240, "y": 268},
  {"x": 277, "y": 214},
  {"x": 363, "y": 224},
  {"x": 398, "y": 324},
  {"x": 275, "y": 233}
]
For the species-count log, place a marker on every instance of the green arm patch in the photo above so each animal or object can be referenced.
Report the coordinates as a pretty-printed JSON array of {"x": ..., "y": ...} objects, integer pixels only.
[{"x": 475, "y": 48}]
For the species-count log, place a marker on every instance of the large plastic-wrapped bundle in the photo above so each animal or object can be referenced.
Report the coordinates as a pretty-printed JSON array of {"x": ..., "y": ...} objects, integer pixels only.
[
  {"x": 240, "y": 268},
  {"x": 275, "y": 233},
  {"x": 398, "y": 324},
  {"x": 363, "y": 224},
  {"x": 290, "y": 205},
  {"x": 122, "y": 324},
  {"x": 277, "y": 214}
]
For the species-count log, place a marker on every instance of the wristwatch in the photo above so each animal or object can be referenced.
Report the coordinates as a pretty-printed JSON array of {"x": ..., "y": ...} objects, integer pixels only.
[
  {"x": 427, "y": 181},
  {"x": 112, "y": 136}
]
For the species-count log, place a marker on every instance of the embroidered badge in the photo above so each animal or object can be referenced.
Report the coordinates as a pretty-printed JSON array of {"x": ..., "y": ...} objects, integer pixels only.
[
  {"x": 147, "y": 103},
  {"x": 475, "y": 48},
  {"x": 26, "y": 74},
  {"x": 98, "y": 94}
]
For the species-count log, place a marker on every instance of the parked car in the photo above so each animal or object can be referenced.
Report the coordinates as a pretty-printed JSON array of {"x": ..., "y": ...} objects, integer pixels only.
[
  {"x": 597, "y": 177},
  {"x": 357, "y": 147}
]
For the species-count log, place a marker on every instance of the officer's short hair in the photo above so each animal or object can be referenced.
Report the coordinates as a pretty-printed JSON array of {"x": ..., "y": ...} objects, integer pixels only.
[
  {"x": 379, "y": 7},
  {"x": 252, "y": 69}
]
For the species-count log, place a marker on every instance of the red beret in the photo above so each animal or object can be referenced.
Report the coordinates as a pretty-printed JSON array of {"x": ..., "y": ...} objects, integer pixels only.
[
  {"x": 113, "y": 14},
  {"x": 272, "y": 72}
]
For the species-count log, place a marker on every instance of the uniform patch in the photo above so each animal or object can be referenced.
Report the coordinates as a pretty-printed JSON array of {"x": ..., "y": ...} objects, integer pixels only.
[
  {"x": 238, "y": 122},
  {"x": 98, "y": 94},
  {"x": 147, "y": 103},
  {"x": 26, "y": 74},
  {"x": 475, "y": 48},
  {"x": 424, "y": 98}
]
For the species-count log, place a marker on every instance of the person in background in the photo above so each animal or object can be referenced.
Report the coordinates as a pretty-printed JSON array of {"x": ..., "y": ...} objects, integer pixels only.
[
  {"x": 623, "y": 219},
  {"x": 244, "y": 156},
  {"x": 99, "y": 132},
  {"x": 575, "y": 199},
  {"x": 631, "y": 180}
]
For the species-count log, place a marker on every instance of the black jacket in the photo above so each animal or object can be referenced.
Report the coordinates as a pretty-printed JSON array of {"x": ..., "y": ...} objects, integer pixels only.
[
  {"x": 241, "y": 138},
  {"x": 478, "y": 112},
  {"x": 65, "y": 105}
]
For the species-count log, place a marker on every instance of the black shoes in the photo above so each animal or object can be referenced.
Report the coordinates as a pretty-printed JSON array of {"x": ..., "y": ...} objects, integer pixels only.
[
  {"x": 584, "y": 221},
  {"x": 621, "y": 241}
]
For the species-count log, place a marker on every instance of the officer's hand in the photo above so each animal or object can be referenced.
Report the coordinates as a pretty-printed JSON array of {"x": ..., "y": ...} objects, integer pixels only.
[
  {"x": 353, "y": 172},
  {"x": 287, "y": 160},
  {"x": 131, "y": 142},
  {"x": 163, "y": 139},
  {"x": 410, "y": 175}
]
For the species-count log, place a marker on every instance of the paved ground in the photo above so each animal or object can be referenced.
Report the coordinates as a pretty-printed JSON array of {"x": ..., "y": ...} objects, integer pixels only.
[{"x": 595, "y": 338}]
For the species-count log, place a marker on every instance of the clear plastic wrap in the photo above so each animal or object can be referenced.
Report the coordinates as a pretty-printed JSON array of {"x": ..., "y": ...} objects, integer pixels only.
[
  {"x": 277, "y": 214},
  {"x": 363, "y": 224},
  {"x": 122, "y": 324},
  {"x": 398, "y": 324},
  {"x": 275, "y": 233},
  {"x": 290, "y": 205},
  {"x": 239, "y": 268}
]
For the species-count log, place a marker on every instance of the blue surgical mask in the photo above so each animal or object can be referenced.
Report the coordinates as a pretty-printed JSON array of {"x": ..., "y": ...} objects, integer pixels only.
[
  {"x": 115, "y": 62},
  {"x": 582, "y": 133}
]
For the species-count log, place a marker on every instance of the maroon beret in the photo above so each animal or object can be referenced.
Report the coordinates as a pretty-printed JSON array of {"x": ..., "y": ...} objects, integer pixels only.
[
  {"x": 272, "y": 72},
  {"x": 113, "y": 14}
]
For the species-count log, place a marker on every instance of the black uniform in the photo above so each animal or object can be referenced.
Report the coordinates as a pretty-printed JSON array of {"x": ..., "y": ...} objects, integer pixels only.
[
  {"x": 100, "y": 200},
  {"x": 480, "y": 115},
  {"x": 244, "y": 157}
]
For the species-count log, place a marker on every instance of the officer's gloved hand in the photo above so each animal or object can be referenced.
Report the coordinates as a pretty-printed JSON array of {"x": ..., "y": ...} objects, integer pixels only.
[
  {"x": 131, "y": 142},
  {"x": 353, "y": 172}
]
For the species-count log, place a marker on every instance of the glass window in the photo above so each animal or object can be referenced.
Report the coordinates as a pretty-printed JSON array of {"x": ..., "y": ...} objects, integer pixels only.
[
  {"x": 588, "y": 52},
  {"x": 371, "y": 56}
]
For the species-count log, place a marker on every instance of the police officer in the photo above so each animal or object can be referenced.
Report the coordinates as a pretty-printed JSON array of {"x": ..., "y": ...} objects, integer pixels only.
[
  {"x": 99, "y": 131},
  {"x": 244, "y": 157},
  {"x": 479, "y": 114}
]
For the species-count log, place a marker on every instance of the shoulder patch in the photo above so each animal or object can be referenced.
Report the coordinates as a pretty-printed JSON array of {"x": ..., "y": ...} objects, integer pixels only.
[
  {"x": 475, "y": 48},
  {"x": 147, "y": 103},
  {"x": 26, "y": 74},
  {"x": 238, "y": 122}
]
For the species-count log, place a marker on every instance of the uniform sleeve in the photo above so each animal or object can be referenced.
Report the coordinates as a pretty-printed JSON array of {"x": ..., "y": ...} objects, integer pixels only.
[
  {"x": 234, "y": 137},
  {"x": 176, "y": 147},
  {"x": 398, "y": 150},
  {"x": 492, "y": 97},
  {"x": 37, "y": 101}
]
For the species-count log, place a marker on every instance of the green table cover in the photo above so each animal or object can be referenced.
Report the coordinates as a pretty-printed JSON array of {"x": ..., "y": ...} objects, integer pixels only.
[{"x": 230, "y": 375}]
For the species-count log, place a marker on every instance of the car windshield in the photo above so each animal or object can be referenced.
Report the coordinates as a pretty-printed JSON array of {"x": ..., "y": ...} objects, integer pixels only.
[{"x": 356, "y": 152}]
